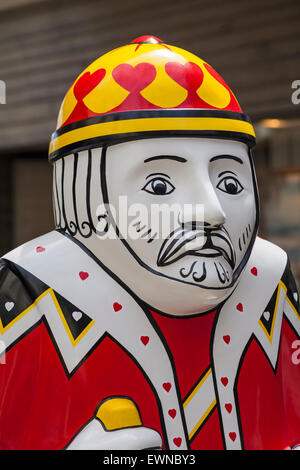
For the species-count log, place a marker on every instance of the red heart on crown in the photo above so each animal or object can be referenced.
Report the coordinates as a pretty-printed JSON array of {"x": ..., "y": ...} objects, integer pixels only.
[
  {"x": 232, "y": 436},
  {"x": 87, "y": 82},
  {"x": 40, "y": 249},
  {"x": 117, "y": 306},
  {"x": 240, "y": 307},
  {"x": 189, "y": 75},
  {"x": 83, "y": 275},
  {"x": 136, "y": 78}
]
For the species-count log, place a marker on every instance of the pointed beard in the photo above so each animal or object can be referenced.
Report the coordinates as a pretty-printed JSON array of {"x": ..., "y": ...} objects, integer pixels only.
[{"x": 200, "y": 242}]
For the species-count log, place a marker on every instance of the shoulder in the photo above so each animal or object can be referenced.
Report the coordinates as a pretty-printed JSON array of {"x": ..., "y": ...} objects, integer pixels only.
[
  {"x": 16, "y": 282},
  {"x": 269, "y": 251},
  {"x": 276, "y": 261},
  {"x": 18, "y": 312},
  {"x": 273, "y": 258},
  {"x": 19, "y": 294},
  {"x": 29, "y": 297},
  {"x": 285, "y": 297},
  {"x": 33, "y": 249}
]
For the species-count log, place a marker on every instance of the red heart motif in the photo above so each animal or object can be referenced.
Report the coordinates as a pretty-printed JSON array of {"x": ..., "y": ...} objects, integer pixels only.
[
  {"x": 224, "y": 381},
  {"x": 172, "y": 413},
  {"x": 87, "y": 82},
  {"x": 240, "y": 307},
  {"x": 189, "y": 75},
  {"x": 226, "y": 339},
  {"x": 254, "y": 271},
  {"x": 232, "y": 436},
  {"x": 167, "y": 386},
  {"x": 145, "y": 340},
  {"x": 40, "y": 249},
  {"x": 117, "y": 306},
  {"x": 228, "y": 407},
  {"x": 177, "y": 441},
  {"x": 136, "y": 78},
  {"x": 83, "y": 275}
]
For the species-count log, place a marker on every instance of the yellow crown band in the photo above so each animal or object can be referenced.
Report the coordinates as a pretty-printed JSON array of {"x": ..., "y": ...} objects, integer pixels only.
[{"x": 150, "y": 125}]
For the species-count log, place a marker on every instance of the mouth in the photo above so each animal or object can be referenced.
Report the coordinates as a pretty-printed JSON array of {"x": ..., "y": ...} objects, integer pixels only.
[{"x": 210, "y": 243}]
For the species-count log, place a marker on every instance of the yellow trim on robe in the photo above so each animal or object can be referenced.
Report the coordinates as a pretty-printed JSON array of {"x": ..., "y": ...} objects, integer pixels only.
[
  {"x": 292, "y": 307},
  {"x": 57, "y": 306},
  {"x": 193, "y": 393},
  {"x": 202, "y": 419},
  {"x": 191, "y": 396},
  {"x": 73, "y": 341},
  {"x": 22, "y": 314},
  {"x": 270, "y": 336}
]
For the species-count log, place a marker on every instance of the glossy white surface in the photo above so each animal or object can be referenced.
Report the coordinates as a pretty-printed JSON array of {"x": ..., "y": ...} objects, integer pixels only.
[
  {"x": 171, "y": 276},
  {"x": 94, "y": 437}
]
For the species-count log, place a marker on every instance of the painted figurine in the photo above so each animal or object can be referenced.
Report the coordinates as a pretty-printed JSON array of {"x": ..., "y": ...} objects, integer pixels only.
[{"x": 153, "y": 316}]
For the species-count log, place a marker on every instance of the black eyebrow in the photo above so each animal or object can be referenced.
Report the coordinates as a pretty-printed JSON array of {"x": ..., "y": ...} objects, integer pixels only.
[
  {"x": 164, "y": 157},
  {"x": 229, "y": 157},
  {"x": 226, "y": 171},
  {"x": 157, "y": 174}
]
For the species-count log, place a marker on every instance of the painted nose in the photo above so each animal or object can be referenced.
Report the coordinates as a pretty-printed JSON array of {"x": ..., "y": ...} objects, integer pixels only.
[
  {"x": 207, "y": 212},
  {"x": 214, "y": 215}
]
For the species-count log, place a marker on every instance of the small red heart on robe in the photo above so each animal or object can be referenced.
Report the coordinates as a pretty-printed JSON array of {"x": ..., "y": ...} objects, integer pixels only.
[
  {"x": 172, "y": 413},
  {"x": 167, "y": 386},
  {"x": 224, "y": 381},
  {"x": 232, "y": 436},
  {"x": 40, "y": 249},
  {"x": 254, "y": 271},
  {"x": 240, "y": 307},
  {"x": 117, "y": 307},
  {"x": 226, "y": 338},
  {"x": 228, "y": 407},
  {"x": 83, "y": 275},
  {"x": 145, "y": 340},
  {"x": 177, "y": 441}
]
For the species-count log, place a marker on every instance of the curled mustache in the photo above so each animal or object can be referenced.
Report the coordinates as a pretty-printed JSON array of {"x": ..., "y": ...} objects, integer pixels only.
[{"x": 200, "y": 241}]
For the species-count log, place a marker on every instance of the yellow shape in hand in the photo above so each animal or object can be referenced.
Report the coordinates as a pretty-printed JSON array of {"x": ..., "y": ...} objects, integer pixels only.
[{"x": 117, "y": 413}]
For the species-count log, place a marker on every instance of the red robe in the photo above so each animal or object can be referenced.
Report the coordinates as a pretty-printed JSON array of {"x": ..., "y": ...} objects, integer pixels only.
[
  {"x": 44, "y": 401},
  {"x": 42, "y": 408}
]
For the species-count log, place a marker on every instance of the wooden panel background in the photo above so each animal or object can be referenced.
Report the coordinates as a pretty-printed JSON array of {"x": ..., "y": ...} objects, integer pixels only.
[
  {"x": 32, "y": 199},
  {"x": 254, "y": 45}
]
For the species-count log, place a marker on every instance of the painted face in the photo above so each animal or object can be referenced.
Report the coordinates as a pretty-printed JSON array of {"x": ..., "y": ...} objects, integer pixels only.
[{"x": 204, "y": 190}]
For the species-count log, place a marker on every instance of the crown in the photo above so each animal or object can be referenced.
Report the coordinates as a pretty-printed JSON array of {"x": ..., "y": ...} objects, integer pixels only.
[{"x": 147, "y": 89}]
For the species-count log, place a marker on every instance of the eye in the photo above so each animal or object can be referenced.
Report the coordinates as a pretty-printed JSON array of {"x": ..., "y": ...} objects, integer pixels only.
[
  {"x": 159, "y": 186},
  {"x": 230, "y": 185}
]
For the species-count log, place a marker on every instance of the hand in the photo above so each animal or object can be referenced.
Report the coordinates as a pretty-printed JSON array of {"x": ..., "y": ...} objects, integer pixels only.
[
  {"x": 116, "y": 425},
  {"x": 94, "y": 437}
]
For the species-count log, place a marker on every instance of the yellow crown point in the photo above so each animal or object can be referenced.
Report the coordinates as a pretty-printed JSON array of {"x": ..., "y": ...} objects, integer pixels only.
[{"x": 117, "y": 413}]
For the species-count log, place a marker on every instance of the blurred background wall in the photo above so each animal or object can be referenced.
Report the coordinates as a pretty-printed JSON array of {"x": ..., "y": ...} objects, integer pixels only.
[{"x": 44, "y": 45}]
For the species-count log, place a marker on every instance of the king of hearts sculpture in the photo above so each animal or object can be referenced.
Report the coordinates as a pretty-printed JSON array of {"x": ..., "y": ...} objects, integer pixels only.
[{"x": 152, "y": 316}]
